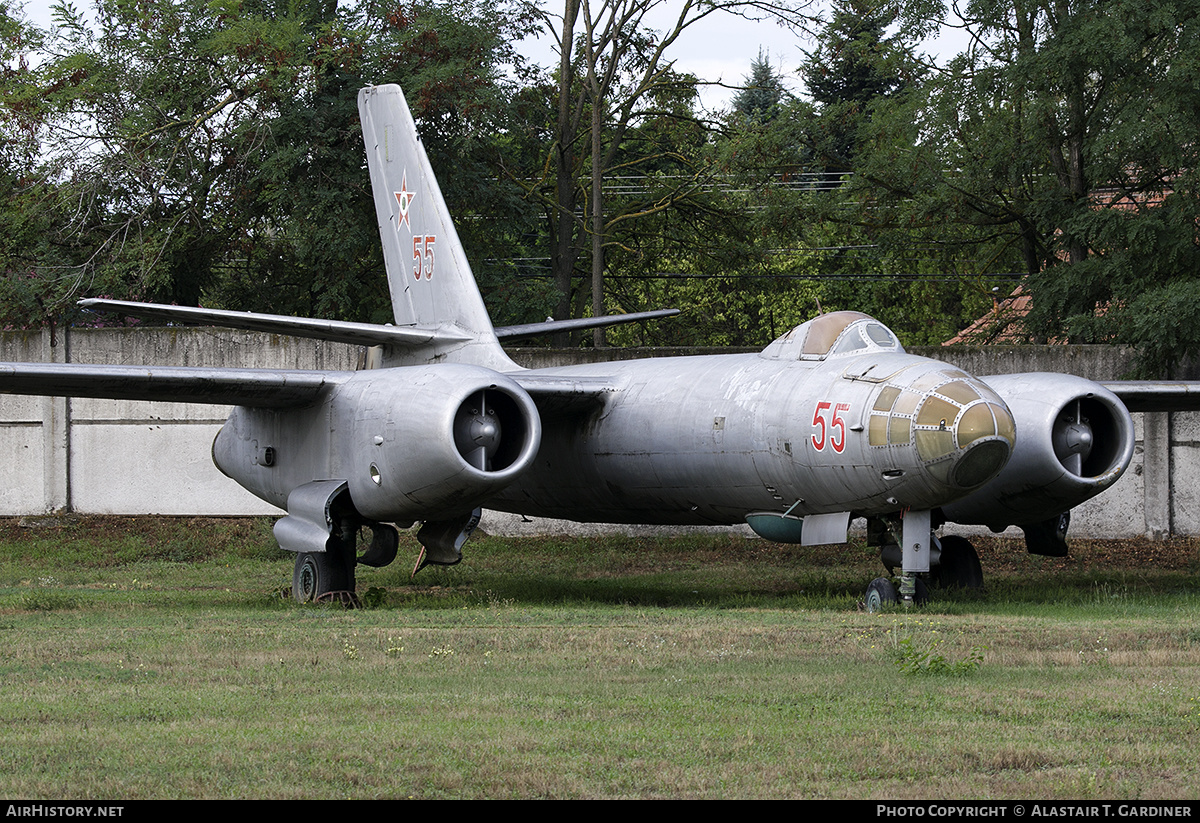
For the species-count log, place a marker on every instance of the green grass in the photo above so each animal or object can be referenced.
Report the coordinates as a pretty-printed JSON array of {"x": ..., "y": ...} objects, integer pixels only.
[{"x": 157, "y": 658}]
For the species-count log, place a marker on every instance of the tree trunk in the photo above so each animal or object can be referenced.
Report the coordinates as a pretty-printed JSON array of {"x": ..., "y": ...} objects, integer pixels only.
[
  {"x": 597, "y": 223},
  {"x": 565, "y": 161}
]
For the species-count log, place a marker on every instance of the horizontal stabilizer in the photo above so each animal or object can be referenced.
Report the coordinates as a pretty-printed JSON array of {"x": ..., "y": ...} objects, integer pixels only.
[
  {"x": 359, "y": 334},
  {"x": 356, "y": 334},
  {"x": 235, "y": 387},
  {"x": 554, "y": 326}
]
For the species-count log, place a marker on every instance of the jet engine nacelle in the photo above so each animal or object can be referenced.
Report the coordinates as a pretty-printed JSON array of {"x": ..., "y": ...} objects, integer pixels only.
[
  {"x": 1074, "y": 439},
  {"x": 412, "y": 443},
  {"x": 431, "y": 442}
]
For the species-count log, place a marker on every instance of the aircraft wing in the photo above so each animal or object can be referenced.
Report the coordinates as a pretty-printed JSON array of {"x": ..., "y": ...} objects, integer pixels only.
[
  {"x": 235, "y": 387},
  {"x": 564, "y": 394},
  {"x": 360, "y": 334},
  {"x": 1157, "y": 395}
]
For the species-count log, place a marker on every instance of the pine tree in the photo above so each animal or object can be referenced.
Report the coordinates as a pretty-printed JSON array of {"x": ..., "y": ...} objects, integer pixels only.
[
  {"x": 853, "y": 65},
  {"x": 759, "y": 100}
]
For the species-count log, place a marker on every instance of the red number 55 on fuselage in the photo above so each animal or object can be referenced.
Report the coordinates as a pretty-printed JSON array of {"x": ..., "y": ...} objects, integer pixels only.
[{"x": 833, "y": 432}]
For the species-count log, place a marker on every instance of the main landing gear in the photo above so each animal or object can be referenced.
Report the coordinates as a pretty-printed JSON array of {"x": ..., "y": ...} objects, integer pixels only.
[
  {"x": 924, "y": 560},
  {"x": 328, "y": 576}
]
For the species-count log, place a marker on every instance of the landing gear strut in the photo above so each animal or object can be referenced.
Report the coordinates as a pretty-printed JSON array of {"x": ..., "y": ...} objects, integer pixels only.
[
  {"x": 328, "y": 576},
  {"x": 946, "y": 562},
  {"x": 914, "y": 554}
]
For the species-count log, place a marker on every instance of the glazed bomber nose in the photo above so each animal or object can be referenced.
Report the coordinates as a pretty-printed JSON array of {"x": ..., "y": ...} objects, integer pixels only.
[{"x": 959, "y": 431}]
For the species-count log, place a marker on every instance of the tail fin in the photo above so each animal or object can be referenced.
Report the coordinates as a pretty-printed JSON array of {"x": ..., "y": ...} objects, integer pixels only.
[{"x": 428, "y": 275}]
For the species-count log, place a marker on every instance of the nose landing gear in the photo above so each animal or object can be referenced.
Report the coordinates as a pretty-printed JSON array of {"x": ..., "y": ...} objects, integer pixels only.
[{"x": 945, "y": 562}]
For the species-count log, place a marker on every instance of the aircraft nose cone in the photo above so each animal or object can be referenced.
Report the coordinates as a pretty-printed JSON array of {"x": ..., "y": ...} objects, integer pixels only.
[{"x": 963, "y": 433}]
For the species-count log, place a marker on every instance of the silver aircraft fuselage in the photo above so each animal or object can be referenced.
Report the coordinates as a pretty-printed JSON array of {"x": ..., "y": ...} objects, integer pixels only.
[{"x": 708, "y": 439}]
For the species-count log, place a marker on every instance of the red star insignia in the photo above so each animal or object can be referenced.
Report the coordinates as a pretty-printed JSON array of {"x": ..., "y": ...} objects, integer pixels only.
[{"x": 404, "y": 197}]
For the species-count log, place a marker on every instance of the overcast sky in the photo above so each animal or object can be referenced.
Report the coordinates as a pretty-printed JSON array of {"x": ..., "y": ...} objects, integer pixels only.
[{"x": 718, "y": 49}]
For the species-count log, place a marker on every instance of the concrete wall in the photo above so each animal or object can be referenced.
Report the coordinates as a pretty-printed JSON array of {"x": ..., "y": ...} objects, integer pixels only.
[
  {"x": 125, "y": 457},
  {"x": 131, "y": 457}
]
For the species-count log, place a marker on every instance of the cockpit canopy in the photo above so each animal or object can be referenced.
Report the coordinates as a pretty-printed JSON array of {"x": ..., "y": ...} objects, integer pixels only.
[{"x": 831, "y": 335}]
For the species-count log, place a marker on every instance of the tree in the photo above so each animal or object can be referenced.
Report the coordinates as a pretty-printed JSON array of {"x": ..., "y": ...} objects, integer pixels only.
[
  {"x": 610, "y": 64},
  {"x": 812, "y": 168},
  {"x": 310, "y": 194},
  {"x": 853, "y": 68},
  {"x": 763, "y": 93},
  {"x": 210, "y": 150},
  {"x": 25, "y": 220},
  {"x": 1067, "y": 134},
  {"x": 708, "y": 253}
]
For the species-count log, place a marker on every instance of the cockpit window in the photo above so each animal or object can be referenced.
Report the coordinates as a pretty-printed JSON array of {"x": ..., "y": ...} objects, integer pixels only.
[
  {"x": 858, "y": 335},
  {"x": 880, "y": 336},
  {"x": 824, "y": 331},
  {"x": 851, "y": 340},
  {"x": 864, "y": 336},
  {"x": 829, "y": 335}
]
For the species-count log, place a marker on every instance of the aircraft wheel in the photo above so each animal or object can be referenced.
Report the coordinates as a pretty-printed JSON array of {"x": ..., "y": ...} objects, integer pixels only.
[
  {"x": 959, "y": 566},
  {"x": 317, "y": 574},
  {"x": 880, "y": 593},
  {"x": 921, "y": 597}
]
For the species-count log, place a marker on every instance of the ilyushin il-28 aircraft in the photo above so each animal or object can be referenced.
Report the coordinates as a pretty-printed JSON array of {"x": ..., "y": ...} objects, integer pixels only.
[{"x": 829, "y": 422}]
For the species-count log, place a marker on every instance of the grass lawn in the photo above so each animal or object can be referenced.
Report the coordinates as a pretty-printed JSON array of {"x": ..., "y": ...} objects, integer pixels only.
[{"x": 160, "y": 658}]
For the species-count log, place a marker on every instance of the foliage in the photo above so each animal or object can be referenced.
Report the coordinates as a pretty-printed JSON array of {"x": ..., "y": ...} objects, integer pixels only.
[
  {"x": 853, "y": 68},
  {"x": 1060, "y": 143},
  {"x": 613, "y": 75},
  {"x": 43, "y": 600},
  {"x": 1126, "y": 250},
  {"x": 912, "y": 659},
  {"x": 210, "y": 150},
  {"x": 762, "y": 93},
  {"x": 819, "y": 172}
]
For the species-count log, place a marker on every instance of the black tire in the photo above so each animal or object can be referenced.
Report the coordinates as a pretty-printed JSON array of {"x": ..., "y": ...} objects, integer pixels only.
[
  {"x": 921, "y": 595},
  {"x": 317, "y": 574},
  {"x": 881, "y": 593},
  {"x": 959, "y": 566}
]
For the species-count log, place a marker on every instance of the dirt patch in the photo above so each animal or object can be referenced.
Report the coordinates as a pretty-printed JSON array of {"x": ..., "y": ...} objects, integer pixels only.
[
  {"x": 1000, "y": 554},
  {"x": 214, "y": 535}
]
